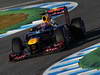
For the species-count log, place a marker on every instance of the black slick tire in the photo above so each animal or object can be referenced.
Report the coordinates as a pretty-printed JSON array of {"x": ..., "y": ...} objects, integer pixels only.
[
  {"x": 17, "y": 46},
  {"x": 77, "y": 28}
]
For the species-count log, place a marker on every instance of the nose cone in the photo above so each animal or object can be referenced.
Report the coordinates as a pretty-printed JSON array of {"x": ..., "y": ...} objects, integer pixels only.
[{"x": 33, "y": 41}]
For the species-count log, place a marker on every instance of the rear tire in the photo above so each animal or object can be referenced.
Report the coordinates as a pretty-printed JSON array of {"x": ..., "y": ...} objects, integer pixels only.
[
  {"x": 77, "y": 28},
  {"x": 17, "y": 46}
]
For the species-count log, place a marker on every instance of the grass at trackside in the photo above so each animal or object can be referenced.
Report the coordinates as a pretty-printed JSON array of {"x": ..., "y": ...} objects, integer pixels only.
[
  {"x": 6, "y": 20},
  {"x": 91, "y": 60},
  {"x": 33, "y": 14},
  {"x": 30, "y": 12}
]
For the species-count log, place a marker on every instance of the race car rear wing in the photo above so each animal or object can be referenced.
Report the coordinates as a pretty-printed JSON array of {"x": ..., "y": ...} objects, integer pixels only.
[
  {"x": 60, "y": 11},
  {"x": 57, "y": 11}
]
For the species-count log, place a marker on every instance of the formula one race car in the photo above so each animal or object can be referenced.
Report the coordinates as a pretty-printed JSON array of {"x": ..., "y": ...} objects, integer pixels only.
[{"x": 48, "y": 37}]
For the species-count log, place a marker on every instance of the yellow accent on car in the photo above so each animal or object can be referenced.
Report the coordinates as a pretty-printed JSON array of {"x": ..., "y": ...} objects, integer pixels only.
[
  {"x": 33, "y": 41},
  {"x": 30, "y": 29},
  {"x": 46, "y": 19}
]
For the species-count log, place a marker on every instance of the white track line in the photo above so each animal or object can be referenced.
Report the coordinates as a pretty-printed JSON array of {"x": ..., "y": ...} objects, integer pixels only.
[
  {"x": 71, "y": 71},
  {"x": 89, "y": 72},
  {"x": 63, "y": 68},
  {"x": 69, "y": 61}
]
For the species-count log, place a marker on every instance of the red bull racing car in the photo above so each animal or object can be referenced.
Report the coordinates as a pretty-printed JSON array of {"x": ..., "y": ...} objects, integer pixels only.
[{"x": 49, "y": 36}]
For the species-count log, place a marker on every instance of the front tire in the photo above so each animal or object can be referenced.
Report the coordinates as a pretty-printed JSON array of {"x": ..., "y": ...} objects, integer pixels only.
[{"x": 17, "y": 46}]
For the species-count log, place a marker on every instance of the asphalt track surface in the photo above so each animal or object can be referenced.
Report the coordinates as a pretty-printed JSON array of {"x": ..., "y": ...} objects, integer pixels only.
[
  {"x": 89, "y": 10},
  {"x": 4, "y": 3}
]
